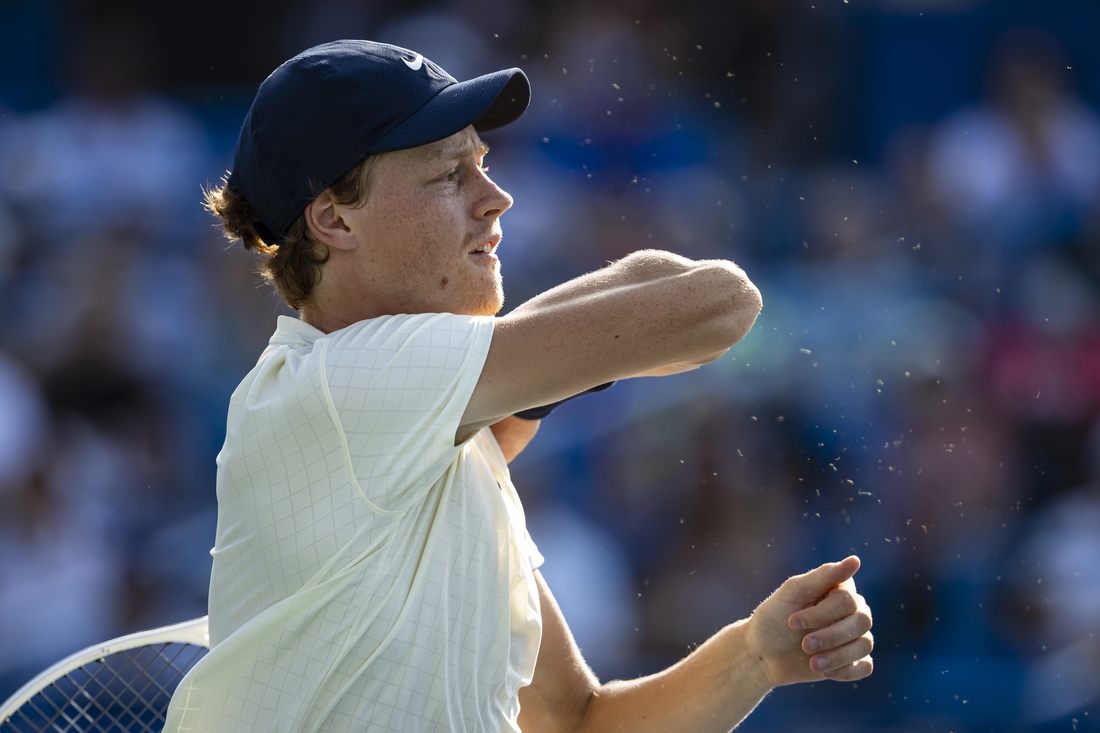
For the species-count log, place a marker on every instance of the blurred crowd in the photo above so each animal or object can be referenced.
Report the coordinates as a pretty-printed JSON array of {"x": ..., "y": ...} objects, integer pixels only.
[{"x": 914, "y": 186}]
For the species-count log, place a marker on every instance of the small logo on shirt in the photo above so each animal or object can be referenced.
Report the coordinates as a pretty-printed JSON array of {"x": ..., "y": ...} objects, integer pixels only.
[{"x": 416, "y": 62}]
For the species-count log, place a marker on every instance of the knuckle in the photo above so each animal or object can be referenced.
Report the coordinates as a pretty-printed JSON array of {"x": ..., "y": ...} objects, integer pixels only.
[
  {"x": 870, "y": 641},
  {"x": 848, "y": 603},
  {"x": 864, "y": 620}
]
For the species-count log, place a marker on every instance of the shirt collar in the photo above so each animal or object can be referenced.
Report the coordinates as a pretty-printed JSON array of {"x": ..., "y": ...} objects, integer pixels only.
[{"x": 294, "y": 332}]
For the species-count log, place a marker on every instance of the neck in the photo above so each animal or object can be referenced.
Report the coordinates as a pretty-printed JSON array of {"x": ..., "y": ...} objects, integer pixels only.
[{"x": 321, "y": 320}]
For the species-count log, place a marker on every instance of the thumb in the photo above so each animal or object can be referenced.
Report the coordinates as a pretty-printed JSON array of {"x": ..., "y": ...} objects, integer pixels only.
[{"x": 809, "y": 587}]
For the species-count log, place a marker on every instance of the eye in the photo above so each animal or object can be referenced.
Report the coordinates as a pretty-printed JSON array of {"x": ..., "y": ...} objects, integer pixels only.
[{"x": 451, "y": 175}]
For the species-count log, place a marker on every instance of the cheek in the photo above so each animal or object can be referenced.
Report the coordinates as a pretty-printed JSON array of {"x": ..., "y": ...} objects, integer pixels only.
[{"x": 419, "y": 214}]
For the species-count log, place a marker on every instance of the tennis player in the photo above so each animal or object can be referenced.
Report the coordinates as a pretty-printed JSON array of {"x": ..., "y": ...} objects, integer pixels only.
[{"x": 372, "y": 569}]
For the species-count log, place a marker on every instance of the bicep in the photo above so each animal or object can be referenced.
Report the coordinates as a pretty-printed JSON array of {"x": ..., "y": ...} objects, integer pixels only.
[{"x": 556, "y": 699}]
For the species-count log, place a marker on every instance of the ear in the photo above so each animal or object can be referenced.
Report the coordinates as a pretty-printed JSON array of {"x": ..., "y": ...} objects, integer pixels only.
[{"x": 325, "y": 222}]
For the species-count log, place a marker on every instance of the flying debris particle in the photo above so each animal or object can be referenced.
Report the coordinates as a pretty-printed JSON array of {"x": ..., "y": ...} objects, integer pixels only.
[{"x": 805, "y": 351}]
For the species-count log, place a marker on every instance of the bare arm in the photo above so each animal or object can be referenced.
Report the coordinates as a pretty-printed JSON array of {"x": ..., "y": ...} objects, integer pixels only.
[
  {"x": 513, "y": 434},
  {"x": 648, "y": 311},
  {"x": 718, "y": 685}
]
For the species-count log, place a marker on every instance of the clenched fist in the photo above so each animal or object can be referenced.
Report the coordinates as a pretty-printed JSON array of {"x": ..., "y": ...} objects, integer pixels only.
[{"x": 814, "y": 626}]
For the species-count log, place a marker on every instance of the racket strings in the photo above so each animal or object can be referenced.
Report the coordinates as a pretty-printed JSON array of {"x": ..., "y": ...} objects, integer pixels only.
[{"x": 125, "y": 692}]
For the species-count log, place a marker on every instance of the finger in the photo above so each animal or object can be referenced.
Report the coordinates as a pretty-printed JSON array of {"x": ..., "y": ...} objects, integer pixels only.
[
  {"x": 843, "y": 655},
  {"x": 839, "y": 633},
  {"x": 837, "y": 604},
  {"x": 855, "y": 671},
  {"x": 809, "y": 587}
]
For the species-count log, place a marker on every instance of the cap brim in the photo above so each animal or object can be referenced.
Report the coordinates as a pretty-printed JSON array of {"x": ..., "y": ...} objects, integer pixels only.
[{"x": 486, "y": 102}]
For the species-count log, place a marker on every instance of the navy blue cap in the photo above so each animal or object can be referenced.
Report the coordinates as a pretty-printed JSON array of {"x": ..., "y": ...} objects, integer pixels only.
[{"x": 327, "y": 108}]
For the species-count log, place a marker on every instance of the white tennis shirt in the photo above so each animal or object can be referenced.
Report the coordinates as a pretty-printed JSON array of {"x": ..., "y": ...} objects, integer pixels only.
[{"x": 369, "y": 574}]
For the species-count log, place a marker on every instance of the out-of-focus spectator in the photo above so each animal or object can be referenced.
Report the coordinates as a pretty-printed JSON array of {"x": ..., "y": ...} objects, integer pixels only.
[
  {"x": 60, "y": 575},
  {"x": 1056, "y": 596},
  {"x": 962, "y": 481},
  {"x": 592, "y": 580},
  {"x": 1020, "y": 172},
  {"x": 111, "y": 156},
  {"x": 733, "y": 492}
]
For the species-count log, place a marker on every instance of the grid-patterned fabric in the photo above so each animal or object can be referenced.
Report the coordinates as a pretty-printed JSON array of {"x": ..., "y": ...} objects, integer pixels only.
[
  {"x": 368, "y": 573},
  {"x": 125, "y": 692}
]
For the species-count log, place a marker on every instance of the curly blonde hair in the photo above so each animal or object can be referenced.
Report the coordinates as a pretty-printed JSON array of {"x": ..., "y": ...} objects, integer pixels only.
[{"x": 293, "y": 264}]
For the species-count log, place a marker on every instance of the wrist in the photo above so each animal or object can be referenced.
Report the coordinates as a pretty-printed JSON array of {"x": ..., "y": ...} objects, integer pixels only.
[
  {"x": 538, "y": 413},
  {"x": 748, "y": 665}
]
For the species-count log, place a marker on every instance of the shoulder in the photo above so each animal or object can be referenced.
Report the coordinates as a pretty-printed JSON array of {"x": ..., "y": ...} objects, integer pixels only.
[{"x": 420, "y": 337}]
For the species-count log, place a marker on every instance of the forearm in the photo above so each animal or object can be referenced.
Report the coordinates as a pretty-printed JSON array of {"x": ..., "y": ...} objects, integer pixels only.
[
  {"x": 710, "y": 691},
  {"x": 689, "y": 311},
  {"x": 717, "y": 285},
  {"x": 635, "y": 269}
]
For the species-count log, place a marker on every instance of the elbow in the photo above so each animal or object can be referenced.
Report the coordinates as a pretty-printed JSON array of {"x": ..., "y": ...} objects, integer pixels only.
[
  {"x": 736, "y": 304},
  {"x": 745, "y": 310}
]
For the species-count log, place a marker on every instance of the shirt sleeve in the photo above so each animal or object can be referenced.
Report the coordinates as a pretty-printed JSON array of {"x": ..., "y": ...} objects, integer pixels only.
[{"x": 398, "y": 386}]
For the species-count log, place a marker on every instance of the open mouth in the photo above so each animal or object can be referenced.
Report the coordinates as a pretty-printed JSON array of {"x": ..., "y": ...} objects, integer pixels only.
[{"x": 487, "y": 247}]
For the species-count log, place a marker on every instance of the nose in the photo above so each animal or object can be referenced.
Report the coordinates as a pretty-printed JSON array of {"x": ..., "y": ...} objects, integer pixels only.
[{"x": 494, "y": 202}]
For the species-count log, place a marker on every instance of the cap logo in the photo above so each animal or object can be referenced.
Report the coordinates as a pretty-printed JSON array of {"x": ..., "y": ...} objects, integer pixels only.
[{"x": 415, "y": 64}]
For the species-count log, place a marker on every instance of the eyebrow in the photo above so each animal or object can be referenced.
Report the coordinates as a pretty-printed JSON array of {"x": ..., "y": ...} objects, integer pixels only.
[{"x": 441, "y": 153}]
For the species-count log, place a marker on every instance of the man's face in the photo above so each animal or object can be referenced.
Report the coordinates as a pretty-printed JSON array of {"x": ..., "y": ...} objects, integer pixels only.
[{"x": 430, "y": 215}]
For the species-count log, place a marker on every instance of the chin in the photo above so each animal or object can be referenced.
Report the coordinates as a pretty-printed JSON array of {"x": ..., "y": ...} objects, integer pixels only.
[
  {"x": 484, "y": 298},
  {"x": 490, "y": 302},
  {"x": 491, "y": 306}
]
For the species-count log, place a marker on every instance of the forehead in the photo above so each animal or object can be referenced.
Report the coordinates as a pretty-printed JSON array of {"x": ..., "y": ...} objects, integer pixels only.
[{"x": 460, "y": 145}]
